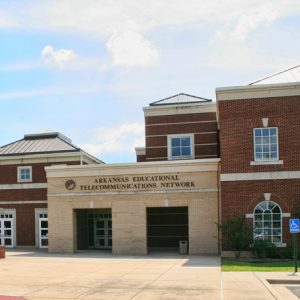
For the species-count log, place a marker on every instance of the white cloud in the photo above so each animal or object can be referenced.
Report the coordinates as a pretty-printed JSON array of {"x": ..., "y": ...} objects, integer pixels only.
[
  {"x": 59, "y": 58},
  {"x": 67, "y": 90},
  {"x": 109, "y": 17},
  {"x": 131, "y": 49},
  {"x": 121, "y": 139}
]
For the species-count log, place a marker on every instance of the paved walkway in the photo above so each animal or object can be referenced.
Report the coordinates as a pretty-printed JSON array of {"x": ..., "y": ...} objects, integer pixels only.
[{"x": 94, "y": 275}]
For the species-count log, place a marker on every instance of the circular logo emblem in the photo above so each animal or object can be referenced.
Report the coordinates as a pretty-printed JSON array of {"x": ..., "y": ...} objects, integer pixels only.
[{"x": 70, "y": 184}]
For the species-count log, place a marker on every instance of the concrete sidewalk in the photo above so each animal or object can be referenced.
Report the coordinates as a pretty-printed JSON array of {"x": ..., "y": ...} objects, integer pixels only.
[{"x": 101, "y": 275}]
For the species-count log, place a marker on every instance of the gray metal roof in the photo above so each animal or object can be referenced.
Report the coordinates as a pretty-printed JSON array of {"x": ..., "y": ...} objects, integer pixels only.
[
  {"x": 286, "y": 76},
  {"x": 39, "y": 143},
  {"x": 181, "y": 98}
]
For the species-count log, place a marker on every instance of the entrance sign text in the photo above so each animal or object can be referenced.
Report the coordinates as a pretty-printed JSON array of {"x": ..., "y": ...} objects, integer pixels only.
[{"x": 137, "y": 183}]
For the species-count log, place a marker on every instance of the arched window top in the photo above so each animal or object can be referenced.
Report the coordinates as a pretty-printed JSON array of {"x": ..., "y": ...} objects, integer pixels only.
[{"x": 267, "y": 207}]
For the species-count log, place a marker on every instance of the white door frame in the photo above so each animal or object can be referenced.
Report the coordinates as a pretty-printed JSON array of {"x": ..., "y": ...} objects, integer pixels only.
[
  {"x": 8, "y": 215},
  {"x": 38, "y": 219}
]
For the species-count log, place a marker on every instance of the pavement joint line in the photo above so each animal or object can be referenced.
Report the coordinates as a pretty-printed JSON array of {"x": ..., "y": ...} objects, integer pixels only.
[
  {"x": 146, "y": 286},
  {"x": 221, "y": 286}
]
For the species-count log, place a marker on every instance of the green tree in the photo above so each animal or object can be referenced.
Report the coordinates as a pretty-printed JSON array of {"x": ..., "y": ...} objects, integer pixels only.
[{"x": 237, "y": 233}]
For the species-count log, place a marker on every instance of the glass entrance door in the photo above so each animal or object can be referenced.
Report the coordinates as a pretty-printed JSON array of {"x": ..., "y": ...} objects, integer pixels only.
[
  {"x": 6, "y": 232},
  {"x": 103, "y": 233},
  {"x": 100, "y": 229},
  {"x": 43, "y": 231}
]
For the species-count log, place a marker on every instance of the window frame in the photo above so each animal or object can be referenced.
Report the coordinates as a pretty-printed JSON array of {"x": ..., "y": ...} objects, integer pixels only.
[
  {"x": 272, "y": 221},
  {"x": 256, "y": 160},
  {"x": 24, "y": 168},
  {"x": 192, "y": 146}
]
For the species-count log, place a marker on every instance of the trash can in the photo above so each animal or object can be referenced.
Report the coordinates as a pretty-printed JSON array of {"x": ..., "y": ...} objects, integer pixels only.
[
  {"x": 183, "y": 247},
  {"x": 2, "y": 251}
]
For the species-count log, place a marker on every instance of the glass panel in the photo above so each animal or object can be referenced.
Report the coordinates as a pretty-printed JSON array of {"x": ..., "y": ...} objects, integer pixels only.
[
  {"x": 274, "y": 155},
  {"x": 109, "y": 232},
  {"x": 265, "y": 131},
  {"x": 44, "y": 224},
  {"x": 258, "y": 140},
  {"x": 185, "y": 142},
  {"x": 258, "y": 217},
  {"x": 257, "y": 132},
  {"x": 265, "y": 140},
  {"x": 7, "y": 224},
  {"x": 109, "y": 242},
  {"x": 273, "y": 131},
  {"x": 44, "y": 242},
  {"x": 273, "y": 139},
  {"x": 267, "y": 217},
  {"x": 258, "y": 148},
  {"x": 100, "y": 232},
  {"x": 100, "y": 224},
  {"x": 277, "y": 231},
  {"x": 175, "y": 151},
  {"x": 44, "y": 232},
  {"x": 175, "y": 142},
  {"x": 109, "y": 224},
  {"x": 274, "y": 147},
  {"x": 7, "y": 232},
  {"x": 276, "y": 239},
  {"x": 258, "y": 156},
  {"x": 266, "y": 148},
  {"x": 7, "y": 242},
  {"x": 186, "y": 151}
]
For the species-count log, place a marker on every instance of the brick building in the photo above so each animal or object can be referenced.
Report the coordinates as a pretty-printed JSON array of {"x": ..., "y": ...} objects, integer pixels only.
[
  {"x": 23, "y": 185},
  {"x": 203, "y": 162},
  {"x": 260, "y": 162}
]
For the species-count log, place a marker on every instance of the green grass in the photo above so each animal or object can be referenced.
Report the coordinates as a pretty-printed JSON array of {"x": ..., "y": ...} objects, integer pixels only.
[{"x": 229, "y": 265}]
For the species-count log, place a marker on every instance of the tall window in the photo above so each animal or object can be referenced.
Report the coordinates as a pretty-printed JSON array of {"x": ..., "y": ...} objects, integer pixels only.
[
  {"x": 265, "y": 144},
  {"x": 180, "y": 146},
  {"x": 267, "y": 222},
  {"x": 24, "y": 174}
]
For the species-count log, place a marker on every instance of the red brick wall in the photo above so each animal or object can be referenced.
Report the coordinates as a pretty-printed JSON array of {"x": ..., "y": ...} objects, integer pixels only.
[
  {"x": 140, "y": 158},
  {"x": 239, "y": 117},
  {"x": 25, "y": 213},
  {"x": 241, "y": 197},
  {"x": 9, "y": 173},
  {"x": 202, "y": 125}
]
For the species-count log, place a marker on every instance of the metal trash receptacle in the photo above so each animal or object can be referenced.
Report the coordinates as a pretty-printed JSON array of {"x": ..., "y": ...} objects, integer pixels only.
[{"x": 183, "y": 247}]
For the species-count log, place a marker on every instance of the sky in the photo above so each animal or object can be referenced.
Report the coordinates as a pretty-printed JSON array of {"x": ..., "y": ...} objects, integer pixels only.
[{"x": 86, "y": 68}]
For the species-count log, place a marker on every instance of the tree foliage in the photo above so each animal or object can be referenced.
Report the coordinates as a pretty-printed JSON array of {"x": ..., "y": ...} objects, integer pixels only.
[{"x": 238, "y": 234}]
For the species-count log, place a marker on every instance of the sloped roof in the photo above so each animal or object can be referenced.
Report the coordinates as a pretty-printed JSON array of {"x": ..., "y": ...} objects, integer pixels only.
[
  {"x": 39, "y": 143},
  {"x": 286, "y": 76},
  {"x": 181, "y": 98}
]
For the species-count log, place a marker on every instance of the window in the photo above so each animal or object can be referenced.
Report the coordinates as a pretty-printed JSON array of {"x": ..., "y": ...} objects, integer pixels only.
[
  {"x": 24, "y": 174},
  {"x": 267, "y": 222},
  {"x": 180, "y": 146},
  {"x": 265, "y": 144}
]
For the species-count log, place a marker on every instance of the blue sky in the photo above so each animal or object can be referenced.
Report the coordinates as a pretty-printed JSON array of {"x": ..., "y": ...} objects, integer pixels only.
[{"x": 87, "y": 68}]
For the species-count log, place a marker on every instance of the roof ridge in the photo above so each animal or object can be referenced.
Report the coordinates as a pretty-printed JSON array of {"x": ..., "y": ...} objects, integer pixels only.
[
  {"x": 275, "y": 74},
  {"x": 184, "y": 94}
]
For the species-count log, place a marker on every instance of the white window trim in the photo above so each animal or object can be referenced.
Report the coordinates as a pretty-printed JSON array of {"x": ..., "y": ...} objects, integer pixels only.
[
  {"x": 19, "y": 174},
  {"x": 281, "y": 232},
  {"x": 266, "y": 162},
  {"x": 269, "y": 161},
  {"x": 191, "y": 136}
]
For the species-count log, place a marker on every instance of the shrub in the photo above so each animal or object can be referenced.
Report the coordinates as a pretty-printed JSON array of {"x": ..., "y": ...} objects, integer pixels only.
[
  {"x": 261, "y": 248},
  {"x": 238, "y": 234}
]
